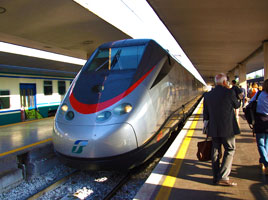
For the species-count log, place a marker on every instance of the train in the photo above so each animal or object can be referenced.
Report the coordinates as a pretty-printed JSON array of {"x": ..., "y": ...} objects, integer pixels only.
[
  {"x": 258, "y": 80},
  {"x": 122, "y": 106},
  {"x": 30, "y": 95}
]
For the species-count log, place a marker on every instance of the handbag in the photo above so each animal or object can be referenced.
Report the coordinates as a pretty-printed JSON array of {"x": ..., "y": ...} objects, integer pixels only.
[{"x": 204, "y": 149}]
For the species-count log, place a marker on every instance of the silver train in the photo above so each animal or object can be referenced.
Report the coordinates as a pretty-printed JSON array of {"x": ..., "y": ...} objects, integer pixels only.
[{"x": 122, "y": 106}]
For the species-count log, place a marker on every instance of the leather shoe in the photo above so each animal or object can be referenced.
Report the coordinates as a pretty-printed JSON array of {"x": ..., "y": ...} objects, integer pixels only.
[{"x": 226, "y": 183}]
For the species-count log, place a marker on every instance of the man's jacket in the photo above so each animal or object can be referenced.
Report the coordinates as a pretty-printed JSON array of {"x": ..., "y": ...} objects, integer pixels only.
[{"x": 219, "y": 105}]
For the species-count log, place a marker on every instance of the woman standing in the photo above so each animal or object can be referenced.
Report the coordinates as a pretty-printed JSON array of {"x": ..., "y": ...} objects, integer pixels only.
[
  {"x": 253, "y": 90},
  {"x": 261, "y": 126}
]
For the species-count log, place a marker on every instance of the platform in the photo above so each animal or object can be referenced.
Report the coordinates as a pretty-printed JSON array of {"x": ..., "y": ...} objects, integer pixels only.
[
  {"x": 179, "y": 175},
  {"x": 26, "y": 150},
  {"x": 17, "y": 138}
]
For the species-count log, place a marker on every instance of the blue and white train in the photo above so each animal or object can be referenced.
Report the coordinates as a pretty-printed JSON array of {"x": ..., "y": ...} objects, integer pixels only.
[
  {"x": 26, "y": 97},
  {"x": 122, "y": 106}
]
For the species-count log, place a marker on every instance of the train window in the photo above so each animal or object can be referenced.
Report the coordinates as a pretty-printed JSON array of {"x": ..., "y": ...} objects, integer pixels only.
[
  {"x": 163, "y": 72},
  {"x": 121, "y": 58},
  {"x": 48, "y": 87},
  {"x": 61, "y": 87},
  {"x": 4, "y": 99}
]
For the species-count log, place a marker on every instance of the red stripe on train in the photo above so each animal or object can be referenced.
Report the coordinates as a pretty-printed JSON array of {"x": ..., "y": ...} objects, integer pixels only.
[{"x": 92, "y": 108}]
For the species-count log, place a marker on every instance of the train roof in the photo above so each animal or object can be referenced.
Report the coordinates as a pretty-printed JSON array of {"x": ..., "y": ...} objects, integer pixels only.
[
  {"x": 21, "y": 70},
  {"x": 127, "y": 42}
]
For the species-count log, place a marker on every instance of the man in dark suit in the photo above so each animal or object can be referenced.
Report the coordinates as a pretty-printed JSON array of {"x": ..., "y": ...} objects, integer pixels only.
[{"x": 219, "y": 105}]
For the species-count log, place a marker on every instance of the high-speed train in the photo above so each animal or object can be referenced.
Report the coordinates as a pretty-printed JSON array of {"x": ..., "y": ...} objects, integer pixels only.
[{"x": 122, "y": 106}]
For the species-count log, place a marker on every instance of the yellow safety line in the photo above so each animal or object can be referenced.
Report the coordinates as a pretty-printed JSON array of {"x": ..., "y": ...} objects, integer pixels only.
[
  {"x": 26, "y": 122},
  {"x": 169, "y": 181},
  {"x": 25, "y": 147}
]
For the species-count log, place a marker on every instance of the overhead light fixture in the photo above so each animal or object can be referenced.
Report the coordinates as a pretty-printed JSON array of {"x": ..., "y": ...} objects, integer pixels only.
[{"x": 20, "y": 50}]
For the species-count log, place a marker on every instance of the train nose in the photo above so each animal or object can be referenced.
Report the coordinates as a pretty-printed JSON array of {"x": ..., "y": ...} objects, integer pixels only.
[{"x": 94, "y": 141}]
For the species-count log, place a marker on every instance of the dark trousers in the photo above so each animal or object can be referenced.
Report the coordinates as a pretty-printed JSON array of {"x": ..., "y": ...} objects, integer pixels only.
[{"x": 222, "y": 170}]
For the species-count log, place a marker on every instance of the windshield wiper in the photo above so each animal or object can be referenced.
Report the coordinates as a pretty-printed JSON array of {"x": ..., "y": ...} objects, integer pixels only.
[
  {"x": 116, "y": 58},
  {"x": 102, "y": 65}
]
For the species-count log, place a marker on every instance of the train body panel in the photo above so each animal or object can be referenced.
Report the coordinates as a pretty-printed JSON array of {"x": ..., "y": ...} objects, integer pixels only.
[
  {"x": 96, "y": 141},
  {"x": 142, "y": 118},
  {"x": 124, "y": 103}
]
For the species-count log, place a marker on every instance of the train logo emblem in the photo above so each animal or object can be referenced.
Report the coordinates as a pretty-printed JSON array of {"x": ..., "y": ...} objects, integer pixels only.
[{"x": 79, "y": 145}]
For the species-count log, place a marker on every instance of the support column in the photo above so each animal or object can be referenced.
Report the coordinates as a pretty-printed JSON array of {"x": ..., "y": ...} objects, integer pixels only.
[
  {"x": 265, "y": 54},
  {"x": 231, "y": 75},
  {"x": 236, "y": 72},
  {"x": 242, "y": 75}
]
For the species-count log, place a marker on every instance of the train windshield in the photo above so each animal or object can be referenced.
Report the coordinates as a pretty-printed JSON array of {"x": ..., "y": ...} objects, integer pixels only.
[{"x": 120, "y": 58}]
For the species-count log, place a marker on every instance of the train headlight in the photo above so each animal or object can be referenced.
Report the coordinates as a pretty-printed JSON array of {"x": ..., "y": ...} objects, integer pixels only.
[
  {"x": 64, "y": 108},
  {"x": 123, "y": 109},
  {"x": 103, "y": 116}
]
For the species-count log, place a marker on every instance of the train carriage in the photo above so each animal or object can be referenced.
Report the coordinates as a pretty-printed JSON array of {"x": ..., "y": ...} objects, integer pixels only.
[{"x": 26, "y": 97}]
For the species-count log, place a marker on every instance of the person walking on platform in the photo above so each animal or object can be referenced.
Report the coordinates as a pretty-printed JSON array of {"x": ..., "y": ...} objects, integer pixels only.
[
  {"x": 261, "y": 126},
  {"x": 239, "y": 96},
  {"x": 243, "y": 95},
  {"x": 219, "y": 105}
]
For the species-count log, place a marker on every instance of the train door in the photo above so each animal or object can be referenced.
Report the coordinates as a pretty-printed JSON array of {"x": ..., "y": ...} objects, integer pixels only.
[{"x": 28, "y": 101}]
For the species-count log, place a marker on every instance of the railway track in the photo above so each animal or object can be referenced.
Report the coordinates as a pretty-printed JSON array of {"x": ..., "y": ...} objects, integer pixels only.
[
  {"x": 82, "y": 193},
  {"x": 123, "y": 181},
  {"x": 52, "y": 186}
]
